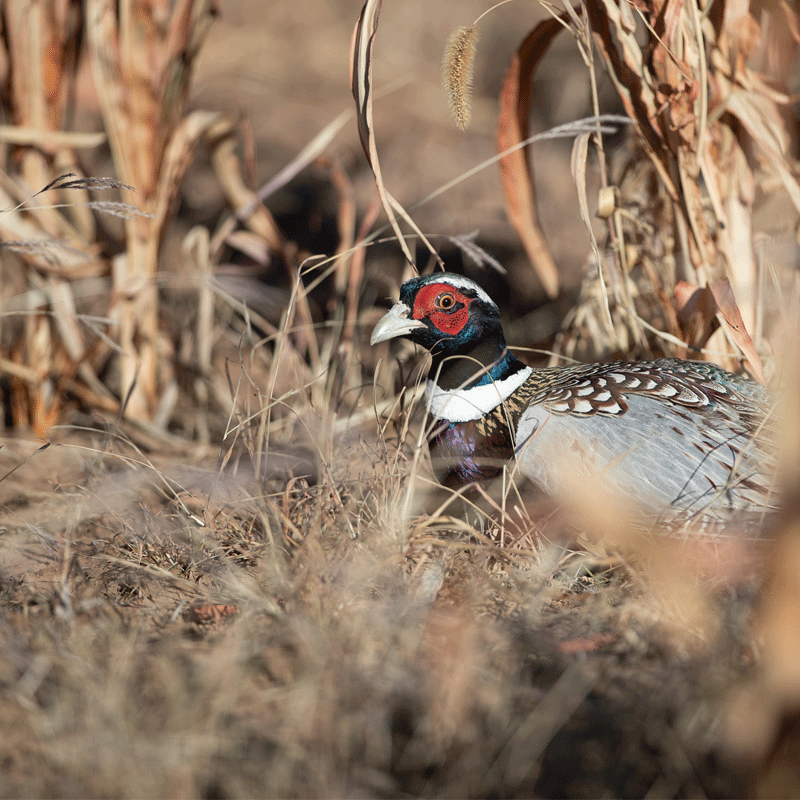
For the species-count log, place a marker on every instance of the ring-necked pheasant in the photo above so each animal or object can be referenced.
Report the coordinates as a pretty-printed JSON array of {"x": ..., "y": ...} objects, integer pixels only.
[{"x": 679, "y": 437}]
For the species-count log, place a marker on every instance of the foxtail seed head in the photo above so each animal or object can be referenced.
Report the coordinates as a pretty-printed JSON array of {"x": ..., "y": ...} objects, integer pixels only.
[{"x": 457, "y": 66}]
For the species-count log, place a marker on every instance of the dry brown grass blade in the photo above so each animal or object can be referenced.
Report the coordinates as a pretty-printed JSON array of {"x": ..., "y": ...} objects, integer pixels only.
[
  {"x": 354, "y": 283},
  {"x": 178, "y": 154},
  {"x": 250, "y": 211},
  {"x": 345, "y": 224},
  {"x": 66, "y": 319},
  {"x": 349, "y": 267},
  {"x": 18, "y": 228},
  {"x": 765, "y": 126},
  {"x": 579, "y": 156},
  {"x": 46, "y": 140},
  {"x": 734, "y": 324},
  {"x": 361, "y": 82},
  {"x": 348, "y": 273},
  {"x": 515, "y": 171}
]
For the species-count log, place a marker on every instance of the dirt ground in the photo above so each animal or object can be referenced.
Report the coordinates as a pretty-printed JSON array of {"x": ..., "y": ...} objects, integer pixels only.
[{"x": 177, "y": 622}]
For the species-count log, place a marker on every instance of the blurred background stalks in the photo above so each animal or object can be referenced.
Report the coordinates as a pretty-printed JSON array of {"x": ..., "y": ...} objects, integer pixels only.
[{"x": 689, "y": 211}]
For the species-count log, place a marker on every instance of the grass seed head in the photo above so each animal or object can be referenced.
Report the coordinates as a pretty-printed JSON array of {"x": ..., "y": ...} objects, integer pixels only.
[{"x": 457, "y": 69}]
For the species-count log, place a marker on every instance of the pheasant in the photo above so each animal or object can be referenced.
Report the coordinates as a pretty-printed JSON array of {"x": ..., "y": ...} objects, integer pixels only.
[{"x": 679, "y": 438}]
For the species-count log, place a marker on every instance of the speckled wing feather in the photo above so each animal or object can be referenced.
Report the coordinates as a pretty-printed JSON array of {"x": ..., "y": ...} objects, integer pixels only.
[
  {"x": 604, "y": 388},
  {"x": 671, "y": 434}
]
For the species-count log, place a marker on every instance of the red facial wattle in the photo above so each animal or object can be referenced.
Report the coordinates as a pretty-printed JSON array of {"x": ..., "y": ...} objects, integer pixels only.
[{"x": 429, "y": 305}]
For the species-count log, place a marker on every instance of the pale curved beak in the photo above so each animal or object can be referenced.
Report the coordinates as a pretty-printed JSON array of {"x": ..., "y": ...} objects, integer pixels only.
[{"x": 395, "y": 323}]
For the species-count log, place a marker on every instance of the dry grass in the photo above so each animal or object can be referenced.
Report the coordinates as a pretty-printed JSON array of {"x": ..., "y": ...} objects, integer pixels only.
[
  {"x": 230, "y": 573},
  {"x": 251, "y": 644}
]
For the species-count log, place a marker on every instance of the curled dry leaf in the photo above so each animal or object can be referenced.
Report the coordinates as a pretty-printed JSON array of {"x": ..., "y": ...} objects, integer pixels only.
[
  {"x": 512, "y": 128},
  {"x": 697, "y": 307},
  {"x": 696, "y": 314}
]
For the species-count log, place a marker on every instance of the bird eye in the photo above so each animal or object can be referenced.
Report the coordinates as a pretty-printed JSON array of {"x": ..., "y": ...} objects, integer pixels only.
[{"x": 445, "y": 301}]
